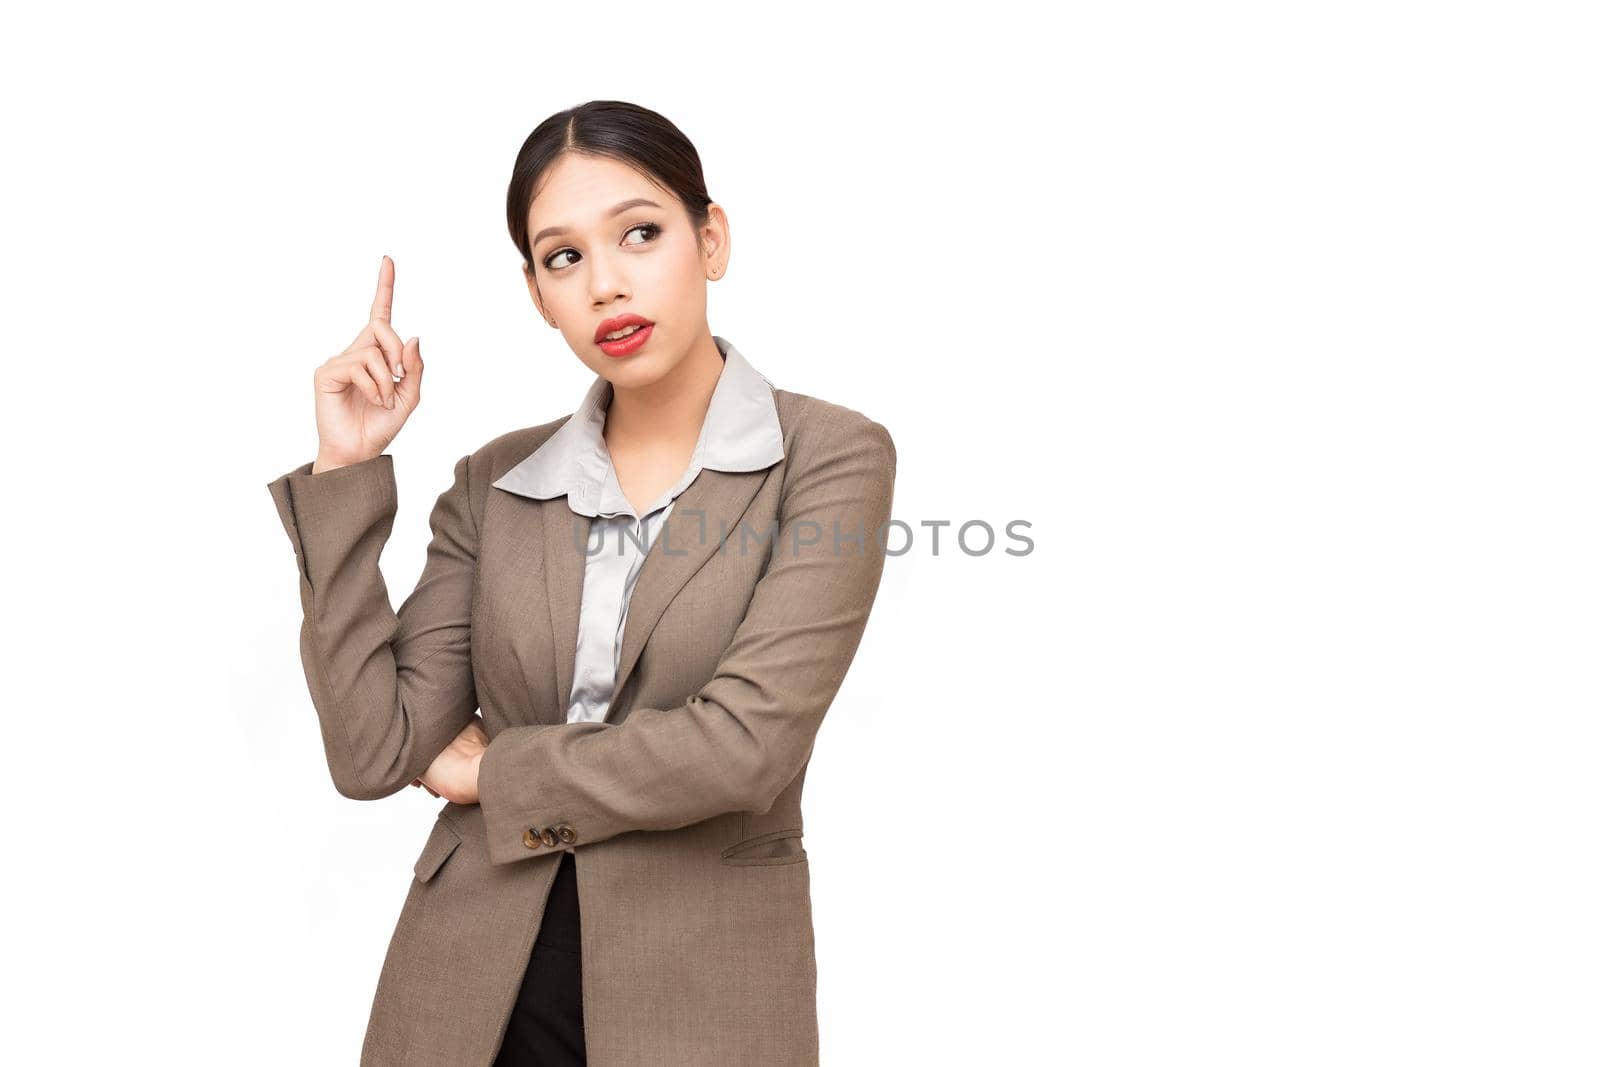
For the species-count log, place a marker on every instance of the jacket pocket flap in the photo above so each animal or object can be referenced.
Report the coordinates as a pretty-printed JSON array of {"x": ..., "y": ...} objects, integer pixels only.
[
  {"x": 441, "y": 842},
  {"x": 779, "y": 846}
]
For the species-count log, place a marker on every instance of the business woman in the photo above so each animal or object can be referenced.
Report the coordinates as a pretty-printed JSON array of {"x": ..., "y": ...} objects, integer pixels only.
[{"x": 653, "y": 601}]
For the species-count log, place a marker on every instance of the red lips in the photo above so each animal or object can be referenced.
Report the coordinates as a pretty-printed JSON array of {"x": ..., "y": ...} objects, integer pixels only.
[{"x": 621, "y": 322}]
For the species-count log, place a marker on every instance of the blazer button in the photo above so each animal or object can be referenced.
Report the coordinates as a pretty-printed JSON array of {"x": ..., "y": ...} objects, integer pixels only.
[
  {"x": 566, "y": 833},
  {"x": 549, "y": 837},
  {"x": 531, "y": 838}
]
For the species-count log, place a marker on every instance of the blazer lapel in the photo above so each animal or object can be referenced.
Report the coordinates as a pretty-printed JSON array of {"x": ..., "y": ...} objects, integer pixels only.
[
  {"x": 566, "y": 537},
  {"x": 705, "y": 515}
]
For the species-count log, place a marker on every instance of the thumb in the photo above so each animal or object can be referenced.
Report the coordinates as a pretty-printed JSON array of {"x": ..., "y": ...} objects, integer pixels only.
[{"x": 410, "y": 384}]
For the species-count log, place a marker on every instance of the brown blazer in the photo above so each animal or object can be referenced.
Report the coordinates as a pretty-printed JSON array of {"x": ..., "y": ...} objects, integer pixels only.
[{"x": 682, "y": 809}]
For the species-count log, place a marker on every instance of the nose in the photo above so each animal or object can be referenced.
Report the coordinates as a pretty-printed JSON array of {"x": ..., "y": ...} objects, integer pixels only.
[{"x": 607, "y": 281}]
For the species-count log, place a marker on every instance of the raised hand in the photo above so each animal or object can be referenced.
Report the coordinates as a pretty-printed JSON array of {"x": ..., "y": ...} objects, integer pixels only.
[{"x": 360, "y": 405}]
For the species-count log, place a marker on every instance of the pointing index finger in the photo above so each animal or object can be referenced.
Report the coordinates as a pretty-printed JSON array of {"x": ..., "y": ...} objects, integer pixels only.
[{"x": 383, "y": 302}]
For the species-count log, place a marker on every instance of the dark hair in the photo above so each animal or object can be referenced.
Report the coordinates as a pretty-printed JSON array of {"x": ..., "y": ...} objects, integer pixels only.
[{"x": 615, "y": 129}]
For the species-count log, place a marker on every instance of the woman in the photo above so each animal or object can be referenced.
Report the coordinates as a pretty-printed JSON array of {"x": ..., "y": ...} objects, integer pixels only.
[{"x": 619, "y": 875}]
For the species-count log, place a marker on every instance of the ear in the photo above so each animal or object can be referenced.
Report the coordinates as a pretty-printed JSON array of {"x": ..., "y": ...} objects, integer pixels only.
[{"x": 716, "y": 240}]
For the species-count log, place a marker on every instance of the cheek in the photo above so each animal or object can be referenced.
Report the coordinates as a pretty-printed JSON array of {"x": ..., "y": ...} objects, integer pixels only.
[
  {"x": 684, "y": 264},
  {"x": 666, "y": 271},
  {"x": 678, "y": 285}
]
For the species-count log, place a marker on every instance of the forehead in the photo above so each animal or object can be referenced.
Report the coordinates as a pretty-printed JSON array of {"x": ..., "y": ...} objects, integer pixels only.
[{"x": 580, "y": 191}]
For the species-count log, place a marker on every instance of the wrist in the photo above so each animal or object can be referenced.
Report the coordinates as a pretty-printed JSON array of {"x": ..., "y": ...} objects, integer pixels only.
[{"x": 327, "y": 461}]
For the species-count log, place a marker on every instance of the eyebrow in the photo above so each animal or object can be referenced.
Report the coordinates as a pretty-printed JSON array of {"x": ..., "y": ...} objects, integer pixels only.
[{"x": 638, "y": 201}]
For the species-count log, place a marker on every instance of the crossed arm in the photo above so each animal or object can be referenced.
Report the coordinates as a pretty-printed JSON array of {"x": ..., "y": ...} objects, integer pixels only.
[{"x": 392, "y": 690}]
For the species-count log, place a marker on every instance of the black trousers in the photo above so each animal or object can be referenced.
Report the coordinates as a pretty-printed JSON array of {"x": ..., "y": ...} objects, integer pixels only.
[{"x": 546, "y": 1025}]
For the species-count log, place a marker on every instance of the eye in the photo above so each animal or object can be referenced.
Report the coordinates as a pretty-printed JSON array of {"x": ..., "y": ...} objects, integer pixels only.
[
  {"x": 655, "y": 231},
  {"x": 651, "y": 230}
]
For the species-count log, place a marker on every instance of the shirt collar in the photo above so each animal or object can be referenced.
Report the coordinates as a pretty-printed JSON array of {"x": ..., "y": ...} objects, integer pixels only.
[{"x": 741, "y": 432}]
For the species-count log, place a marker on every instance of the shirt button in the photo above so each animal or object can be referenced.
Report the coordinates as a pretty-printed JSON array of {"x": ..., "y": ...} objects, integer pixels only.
[
  {"x": 549, "y": 837},
  {"x": 531, "y": 838},
  {"x": 566, "y": 833}
]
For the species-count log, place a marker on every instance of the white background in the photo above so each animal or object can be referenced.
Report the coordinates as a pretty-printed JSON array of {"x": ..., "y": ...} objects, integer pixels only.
[{"x": 1276, "y": 322}]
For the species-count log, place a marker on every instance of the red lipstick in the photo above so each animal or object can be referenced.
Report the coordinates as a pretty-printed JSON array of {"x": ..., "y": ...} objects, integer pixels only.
[{"x": 623, "y": 346}]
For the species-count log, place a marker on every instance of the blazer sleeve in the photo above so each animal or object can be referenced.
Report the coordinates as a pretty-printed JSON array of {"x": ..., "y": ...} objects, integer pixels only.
[
  {"x": 748, "y": 731},
  {"x": 391, "y": 690}
]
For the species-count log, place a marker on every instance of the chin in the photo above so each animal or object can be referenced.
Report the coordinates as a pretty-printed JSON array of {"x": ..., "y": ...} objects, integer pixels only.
[{"x": 641, "y": 368}]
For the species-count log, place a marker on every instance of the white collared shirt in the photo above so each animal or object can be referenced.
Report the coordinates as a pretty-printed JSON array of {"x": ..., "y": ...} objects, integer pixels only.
[{"x": 741, "y": 432}]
